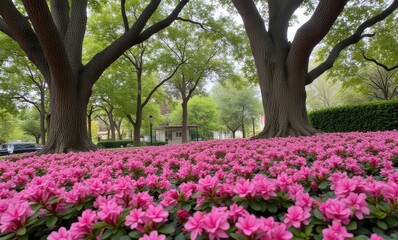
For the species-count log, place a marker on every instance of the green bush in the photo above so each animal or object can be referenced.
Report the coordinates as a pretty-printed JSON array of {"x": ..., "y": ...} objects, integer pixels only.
[
  {"x": 373, "y": 116},
  {"x": 125, "y": 143},
  {"x": 114, "y": 144}
]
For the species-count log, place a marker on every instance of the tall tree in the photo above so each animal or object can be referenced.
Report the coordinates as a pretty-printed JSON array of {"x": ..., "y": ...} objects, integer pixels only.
[
  {"x": 282, "y": 66},
  {"x": 52, "y": 38}
]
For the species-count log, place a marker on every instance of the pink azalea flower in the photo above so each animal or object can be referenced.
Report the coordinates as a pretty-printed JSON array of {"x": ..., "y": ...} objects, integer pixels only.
[
  {"x": 264, "y": 187},
  {"x": 335, "y": 210},
  {"x": 374, "y": 236},
  {"x": 280, "y": 232},
  {"x": 135, "y": 218},
  {"x": 244, "y": 188},
  {"x": 248, "y": 224},
  {"x": 195, "y": 225},
  {"x": 141, "y": 200},
  {"x": 62, "y": 234},
  {"x": 236, "y": 211},
  {"x": 336, "y": 232},
  {"x": 15, "y": 216},
  {"x": 215, "y": 223},
  {"x": 295, "y": 216},
  {"x": 109, "y": 211},
  {"x": 357, "y": 203},
  {"x": 305, "y": 201},
  {"x": 82, "y": 228},
  {"x": 155, "y": 214},
  {"x": 153, "y": 236},
  {"x": 208, "y": 183}
]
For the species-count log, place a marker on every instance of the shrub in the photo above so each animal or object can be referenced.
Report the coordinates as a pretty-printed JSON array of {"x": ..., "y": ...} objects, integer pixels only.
[
  {"x": 373, "y": 116},
  {"x": 114, "y": 144}
]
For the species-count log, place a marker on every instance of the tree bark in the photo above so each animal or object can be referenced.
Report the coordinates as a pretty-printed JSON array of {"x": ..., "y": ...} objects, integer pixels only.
[
  {"x": 68, "y": 132},
  {"x": 42, "y": 117},
  {"x": 185, "y": 132},
  {"x": 282, "y": 66}
]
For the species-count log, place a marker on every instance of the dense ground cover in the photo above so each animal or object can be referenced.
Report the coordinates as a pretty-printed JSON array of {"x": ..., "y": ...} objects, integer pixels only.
[{"x": 329, "y": 186}]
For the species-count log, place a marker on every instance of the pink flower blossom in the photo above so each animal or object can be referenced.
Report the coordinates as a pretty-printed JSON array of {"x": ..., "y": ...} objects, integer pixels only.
[
  {"x": 61, "y": 234},
  {"x": 336, "y": 210},
  {"x": 374, "y": 236},
  {"x": 280, "y": 232},
  {"x": 135, "y": 218},
  {"x": 195, "y": 225},
  {"x": 305, "y": 201},
  {"x": 248, "y": 224},
  {"x": 83, "y": 227},
  {"x": 208, "y": 183},
  {"x": 215, "y": 223},
  {"x": 236, "y": 211},
  {"x": 109, "y": 211},
  {"x": 153, "y": 236},
  {"x": 357, "y": 203},
  {"x": 155, "y": 214},
  {"x": 295, "y": 216},
  {"x": 15, "y": 216},
  {"x": 244, "y": 188},
  {"x": 336, "y": 232}
]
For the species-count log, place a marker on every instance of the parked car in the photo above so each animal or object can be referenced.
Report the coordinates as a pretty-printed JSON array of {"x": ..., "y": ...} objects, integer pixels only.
[
  {"x": 3, "y": 150},
  {"x": 21, "y": 147}
]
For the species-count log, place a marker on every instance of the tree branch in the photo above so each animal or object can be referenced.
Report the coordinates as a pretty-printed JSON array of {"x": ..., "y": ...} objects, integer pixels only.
[
  {"x": 50, "y": 40},
  {"x": 388, "y": 69},
  {"x": 60, "y": 12},
  {"x": 106, "y": 57},
  {"x": 131, "y": 120},
  {"x": 354, "y": 38},
  {"x": 124, "y": 15},
  {"x": 4, "y": 28},
  {"x": 160, "y": 84},
  {"x": 18, "y": 27},
  {"x": 193, "y": 22},
  {"x": 313, "y": 31},
  {"x": 75, "y": 34},
  {"x": 25, "y": 99}
]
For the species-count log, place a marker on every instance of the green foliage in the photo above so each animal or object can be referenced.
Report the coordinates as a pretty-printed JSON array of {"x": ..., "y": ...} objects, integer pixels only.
[
  {"x": 114, "y": 144},
  {"x": 202, "y": 111},
  {"x": 373, "y": 116},
  {"x": 6, "y": 126},
  {"x": 126, "y": 143}
]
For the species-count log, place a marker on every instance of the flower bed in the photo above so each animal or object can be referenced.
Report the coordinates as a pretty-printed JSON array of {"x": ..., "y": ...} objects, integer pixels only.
[{"x": 329, "y": 186}]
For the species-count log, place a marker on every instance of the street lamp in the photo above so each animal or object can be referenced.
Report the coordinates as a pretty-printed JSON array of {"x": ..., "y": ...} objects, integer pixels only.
[
  {"x": 254, "y": 128},
  {"x": 150, "y": 127}
]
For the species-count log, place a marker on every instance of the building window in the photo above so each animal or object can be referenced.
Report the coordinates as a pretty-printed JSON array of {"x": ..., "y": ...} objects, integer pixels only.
[{"x": 178, "y": 134}]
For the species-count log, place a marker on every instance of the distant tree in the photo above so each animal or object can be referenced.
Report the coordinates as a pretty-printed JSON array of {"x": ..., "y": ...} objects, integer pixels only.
[
  {"x": 203, "y": 112},
  {"x": 237, "y": 106},
  {"x": 31, "y": 124},
  {"x": 7, "y": 125},
  {"x": 323, "y": 94},
  {"x": 52, "y": 37}
]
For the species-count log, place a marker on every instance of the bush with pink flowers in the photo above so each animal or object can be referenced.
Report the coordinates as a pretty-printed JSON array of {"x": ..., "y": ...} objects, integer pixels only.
[{"x": 328, "y": 186}]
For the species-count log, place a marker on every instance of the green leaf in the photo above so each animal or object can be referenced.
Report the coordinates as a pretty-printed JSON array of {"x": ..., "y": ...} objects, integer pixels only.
[
  {"x": 309, "y": 228},
  {"x": 167, "y": 229},
  {"x": 100, "y": 225},
  {"x": 106, "y": 234},
  {"x": 51, "y": 221},
  {"x": 324, "y": 185},
  {"x": 352, "y": 226},
  {"x": 391, "y": 221},
  {"x": 361, "y": 237},
  {"x": 8, "y": 236},
  {"x": 135, "y": 234},
  {"x": 272, "y": 208},
  {"x": 21, "y": 231},
  {"x": 382, "y": 225},
  {"x": 318, "y": 214},
  {"x": 125, "y": 238},
  {"x": 237, "y": 236},
  {"x": 256, "y": 206},
  {"x": 180, "y": 237}
]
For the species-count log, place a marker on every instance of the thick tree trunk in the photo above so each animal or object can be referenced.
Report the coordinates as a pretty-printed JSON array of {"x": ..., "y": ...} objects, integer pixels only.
[
  {"x": 68, "y": 132},
  {"x": 90, "y": 135},
  {"x": 137, "y": 128},
  {"x": 233, "y": 134},
  {"x": 284, "y": 99},
  {"x": 184, "y": 133},
  {"x": 42, "y": 117}
]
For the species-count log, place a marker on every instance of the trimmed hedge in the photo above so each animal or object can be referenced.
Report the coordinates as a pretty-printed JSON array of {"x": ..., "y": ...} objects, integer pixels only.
[
  {"x": 114, "y": 144},
  {"x": 373, "y": 116},
  {"x": 125, "y": 143}
]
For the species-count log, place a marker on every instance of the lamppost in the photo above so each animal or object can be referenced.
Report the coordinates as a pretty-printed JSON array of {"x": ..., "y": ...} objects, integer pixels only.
[
  {"x": 254, "y": 128},
  {"x": 150, "y": 127}
]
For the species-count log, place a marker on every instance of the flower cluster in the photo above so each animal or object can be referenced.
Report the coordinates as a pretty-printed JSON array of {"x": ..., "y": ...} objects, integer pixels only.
[{"x": 328, "y": 186}]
